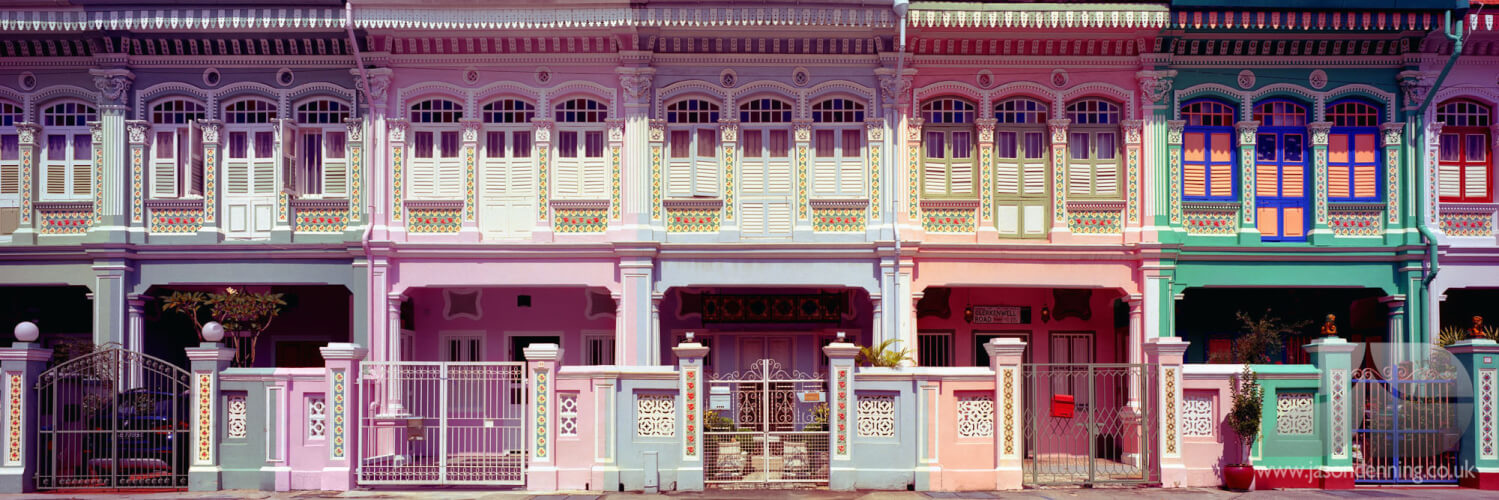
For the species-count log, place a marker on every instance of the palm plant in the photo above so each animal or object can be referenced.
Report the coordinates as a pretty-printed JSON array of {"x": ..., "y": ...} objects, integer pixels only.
[{"x": 884, "y": 354}]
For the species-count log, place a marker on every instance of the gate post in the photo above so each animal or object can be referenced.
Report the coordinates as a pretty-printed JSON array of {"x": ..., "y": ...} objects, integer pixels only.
[
  {"x": 342, "y": 361},
  {"x": 1166, "y": 354},
  {"x": 21, "y": 363},
  {"x": 541, "y": 361},
  {"x": 207, "y": 360},
  {"x": 1478, "y": 460},
  {"x": 1005, "y": 355},
  {"x": 1333, "y": 357},
  {"x": 841, "y": 473},
  {"x": 690, "y": 356}
]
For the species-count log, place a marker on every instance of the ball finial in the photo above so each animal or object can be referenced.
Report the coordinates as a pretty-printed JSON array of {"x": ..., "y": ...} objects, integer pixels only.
[
  {"x": 213, "y": 331},
  {"x": 27, "y": 331}
]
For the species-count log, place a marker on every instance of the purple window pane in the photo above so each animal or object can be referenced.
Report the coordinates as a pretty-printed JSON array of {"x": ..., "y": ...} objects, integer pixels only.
[
  {"x": 567, "y": 144},
  {"x": 336, "y": 143},
  {"x": 264, "y": 144},
  {"x": 936, "y": 145},
  {"x": 1264, "y": 147},
  {"x": 57, "y": 147},
  {"x": 82, "y": 146},
  {"x": 1293, "y": 147},
  {"x": 962, "y": 147},
  {"x": 595, "y": 145},
  {"x": 1475, "y": 147},
  {"x": 1034, "y": 146},
  {"x": 1449, "y": 147},
  {"x": 1105, "y": 145},
  {"x": 10, "y": 148},
  {"x": 239, "y": 145},
  {"x": 422, "y": 143},
  {"x": 1004, "y": 144},
  {"x": 521, "y": 144},
  {"x": 1077, "y": 146},
  {"x": 494, "y": 144}
]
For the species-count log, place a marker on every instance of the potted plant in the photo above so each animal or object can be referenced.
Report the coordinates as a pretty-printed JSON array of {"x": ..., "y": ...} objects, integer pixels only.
[{"x": 1244, "y": 418}]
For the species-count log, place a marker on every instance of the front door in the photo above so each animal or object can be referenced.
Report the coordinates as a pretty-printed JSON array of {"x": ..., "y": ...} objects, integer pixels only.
[
  {"x": 754, "y": 349},
  {"x": 507, "y": 196},
  {"x": 251, "y": 170},
  {"x": 765, "y": 206}
]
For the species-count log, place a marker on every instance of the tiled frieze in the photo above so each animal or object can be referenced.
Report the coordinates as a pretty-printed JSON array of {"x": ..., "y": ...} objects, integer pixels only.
[
  {"x": 1211, "y": 220},
  {"x": 175, "y": 217},
  {"x": 580, "y": 219},
  {"x": 838, "y": 216},
  {"x": 435, "y": 219},
  {"x": 1095, "y": 218},
  {"x": 60, "y": 218},
  {"x": 1356, "y": 221},
  {"x": 875, "y": 135},
  {"x": 693, "y": 217},
  {"x": 937, "y": 218},
  {"x": 1458, "y": 220},
  {"x": 321, "y": 217}
]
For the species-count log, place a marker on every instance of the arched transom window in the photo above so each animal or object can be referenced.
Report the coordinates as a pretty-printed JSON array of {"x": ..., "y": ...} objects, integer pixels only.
[
  {"x": 1093, "y": 149},
  {"x": 437, "y": 172}
]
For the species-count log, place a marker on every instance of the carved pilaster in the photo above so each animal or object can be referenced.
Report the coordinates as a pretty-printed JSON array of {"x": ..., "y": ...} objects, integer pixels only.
[
  {"x": 1058, "y": 129},
  {"x": 397, "y": 130}
]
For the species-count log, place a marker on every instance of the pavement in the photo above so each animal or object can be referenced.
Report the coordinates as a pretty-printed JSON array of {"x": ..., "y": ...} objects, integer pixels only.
[{"x": 1036, "y": 494}]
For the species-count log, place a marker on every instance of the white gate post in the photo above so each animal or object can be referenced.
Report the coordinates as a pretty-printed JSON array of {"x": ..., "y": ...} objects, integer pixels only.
[
  {"x": 1334, "y": 357},
  {"x": 21, "y": 363},
  {"x": 690, "y": 356},
  {"x": 1166, "y": 354},
  {"x": 342, "y": 360},
  {"x": 841, "y": 473},
  {"x": 1005, "y": 355},
  {"x": 208, "y": 359},
  {"x": 541, "y": 362}
]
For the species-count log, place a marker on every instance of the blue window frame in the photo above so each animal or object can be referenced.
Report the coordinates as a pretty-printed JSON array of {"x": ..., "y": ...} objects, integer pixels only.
[
  {"x": 1353, "y": 152},
  {"x": 1282, "y": 174},
  {"x": 1208, "y": 158}
]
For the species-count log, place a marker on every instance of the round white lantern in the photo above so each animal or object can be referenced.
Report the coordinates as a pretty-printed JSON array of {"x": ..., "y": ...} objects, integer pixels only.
[
  {"x": 213, "y": 331},
  {"x": 27, "y": 331}
]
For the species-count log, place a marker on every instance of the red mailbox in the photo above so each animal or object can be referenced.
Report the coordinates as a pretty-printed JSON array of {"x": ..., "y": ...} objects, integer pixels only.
[{"x": 1061, "y": 406}]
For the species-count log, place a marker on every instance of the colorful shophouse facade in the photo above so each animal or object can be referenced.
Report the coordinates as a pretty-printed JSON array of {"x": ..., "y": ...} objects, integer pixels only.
[{"x": 542, "y": 247}]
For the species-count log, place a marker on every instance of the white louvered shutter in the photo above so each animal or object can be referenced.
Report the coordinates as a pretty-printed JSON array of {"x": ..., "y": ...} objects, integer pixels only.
[
  {"x": 706, "y": 171},
  {"x": 291, "y": 146},
  {"x": 825, "y": 162},
  {"x": 263, "y": 178},
  {"x": 1007, "y": 163},
  {"x": 164, "y": 154},
  {"x": 962, "y": 163},
  {"x": 680, "y": 164},
  {"x": 851, "y": 162},
  {"x": 196, "y": 163},
  {"x": 1476, "y": 166},
  {"x": 595, "y": 171},
  {"x": 566, "y": 180},
  {"x": 335, "y": 163}
]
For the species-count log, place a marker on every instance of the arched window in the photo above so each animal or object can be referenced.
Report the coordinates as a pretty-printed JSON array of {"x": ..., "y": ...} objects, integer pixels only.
[
  {"x": 1353, "y": 152},
  {"x": 1093, "y": 149},
  {"x": 437, "y": 172},
  {"x": 1021, "y": 172},
  {"x": 947, "y": 167},
  {"x": 67, "y": 172},
  {"x": 838, "y": 148},
  {"x": 1281, "y": 171},
  {"x": 1465, "y": 158},
  {"x": 507, "y": 172},
  {"x": 10, "y": 163},
  {"x": 692, "y": 136},
  {"x": 580, "y": 172},
  {"x": 250, "y": 166},
  {"x": 1208, "y": 152},
  {"x": 766, "y": 168},
  {"x": 176, "y": 149},
  {"x": 323, "y": 167}
]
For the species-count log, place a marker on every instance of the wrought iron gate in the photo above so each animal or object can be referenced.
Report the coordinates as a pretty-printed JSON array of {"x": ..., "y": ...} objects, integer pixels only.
[
  {"x": 113, "y": 419},
  {"x": 442, "y": 423},
  {"x": 766, "y": 426},
  {"x": 1406, "y": 426},
  {"x": 1080, "y": 428}
]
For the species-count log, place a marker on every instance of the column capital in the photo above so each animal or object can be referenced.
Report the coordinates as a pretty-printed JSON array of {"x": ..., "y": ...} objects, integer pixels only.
[
  {"x": 840, "y": 351},
  {"x": 1247, "y": 130},
  {"x": 25, "y": 351},
  {"x": 543, "y": 352},
  {"x": 1005, "y": 347},
  {"x": 1474, "y": 346},
  {"x": 1174, "y": 130},
  {"x": 1166, "y": 350},
  {"x": 136, "y": 130},
  {"x": 1320, "y": 131},
  {"x": 27, "y": 133},
  {"x": 211, "y": 131},
  {"x": 209, "y": 352},
  {"x": 342, "y": 351},
  {"x": 113, "y": 84},
  {"x": 1391, "y": 132}
]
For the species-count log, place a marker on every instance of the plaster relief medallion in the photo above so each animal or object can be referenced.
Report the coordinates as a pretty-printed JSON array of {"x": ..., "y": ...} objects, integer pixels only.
[
  {"x": 212, "y": 78},
  {"x": 1246, "y": 79},
  {"x": 470, "y": 76},
  {"x": 27, "y": 81},
  {"x": 1318, "y": 80},
  {"x": 985, "y": 79},
  {"x": 728, "y": 78},
  {"x": 543, "y": 75},
  {"x": 801, "y": 77},
  {"x": 1059, "y": 78},
  {"x": 285, "y": 77}
]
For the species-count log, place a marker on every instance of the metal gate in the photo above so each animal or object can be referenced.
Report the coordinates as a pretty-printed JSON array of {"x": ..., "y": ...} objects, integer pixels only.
[
  {"x": 766, "y": 426},
  {"x": 1406, "y": 426},
  {"x": 113, "y": 419},
  {"x": 1080, "y": 428},
  {"x": 442, "y": 423}
]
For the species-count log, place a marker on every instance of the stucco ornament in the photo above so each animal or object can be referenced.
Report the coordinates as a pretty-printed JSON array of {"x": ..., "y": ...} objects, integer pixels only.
[
  {"x": 470, "y": 129},
  {"x": 1247, "y": 131},
  {"x": 211, "y": 129},
  {"x": 26, "y": 133},
  {"x": 1155, "y": 84},
  {"x": 375, "y": 83},
  {"x": 1059, "y": 78},
  {"x": 397, "y": 131},
  {"x": 136, "y": 130},
  {"x": 657, "y": 130},
  {"x": 1318, "y": 79},
  {"x": 728, "y": 131},
  {"x": 1174, "y": 130},
  {"x": 113, "y": 84},
  {"x": 1391, "y": 133},
  {"x": 1246, "y": 79},
  {"x": 893, "y": 85},
  {"x": 356, "y": 129},
  {"x": 1414, "y": 86},
  {"x": 543, "y": 130},
  {"x": 1320, "y": 131},
  {"x": 636, "y": 83}
]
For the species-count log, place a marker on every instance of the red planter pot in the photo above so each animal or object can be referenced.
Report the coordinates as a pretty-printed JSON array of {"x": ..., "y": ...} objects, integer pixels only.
[{"x": 1238, "y": 477}]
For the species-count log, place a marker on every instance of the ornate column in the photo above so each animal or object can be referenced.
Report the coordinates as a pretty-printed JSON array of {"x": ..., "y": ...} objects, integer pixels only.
[
  {"x": 1165, "y": 354},
  {"x": 728, "y": 134},
  {"x": 1320, "y": 234},
  {"x": 213, "y": 197},
  {"x": 541, "y": 145},
  {"x": 1005, "y": 357},
  {"x": 135, "y": 339},
  {"x": 1333, "y": 357},
  {"x": 28, "y": 137},
  {"x": 905, "y": 153},
  {"x": 1156, "y": 105},
  {"x": 207, "y": 360},
  {"x": 1396, "y": 305},
  {"x": 875, "y": 143},
  {"x": 1433, "y": 148},
  {"x": 20, "y": 364},
  {"x": 1133, "y": 146},
  {"x": 137, "y": 131},
  {"x": 616, "y": 168},
  {"x": 841, "y": 472},
  {"x": 470, "y": 135},
  {"x": 1249, "y": 230},
  {"x": 397, "y": 143},
  {"x": 1058, "y": 127},
  {"x": 1174, "y": 133},
  {"x": 640, "y": 165},
  {"x": 373, "y": 83},
  {"x": 281, "y": 229},
  {"x": 801, "y": 129},
  {"x": 986, "y": 228},
  {"x": 541, "y": 363},
  {"x": 109, "y": 155},
  {"x": 1135, "y": 343},
  {"x": 342, "y": 372},
  {"x": 690, "y": 356},
  {"x": 657, "y": 138},
  {"x": 1478, "y": 455}
]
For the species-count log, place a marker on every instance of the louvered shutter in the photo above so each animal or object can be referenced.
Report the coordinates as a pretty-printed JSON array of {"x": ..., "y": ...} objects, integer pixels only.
[
  {"x": 195, "y": 160},
  {"x": 567, "y": 180},
  {"x": 237, "y": 169},
  {"x": 1194, "y": 164},
  {"x": 1222, "y": 180},
  {"x": 335, "y": 163},
  {"x": 1366, "y": 170},
  {"x": 263, "y": 179},
  {"x": 851, "y": 163},
  {"x": 825, "y": 162},
  {"x": 522, "y": 169},
  {"x": 595, "y": 173},
  {"x": 1034, "y": 158},
  {"x": 164, "y": 154},
  {"x": 962, "y": 163},
  {"x": 1266, "y": 180},
  {"x": 934, "y": 168},
  {"x": 705, "y": 172},
  {"x": 1007, "y": 164},
  {"x": 291, "y": 145},
  {"x": 10, "y": 166},
  {"x": 83, "y": 164},
  {"x": 778, "y": 174},
  {"x": 680, "y": 165}
]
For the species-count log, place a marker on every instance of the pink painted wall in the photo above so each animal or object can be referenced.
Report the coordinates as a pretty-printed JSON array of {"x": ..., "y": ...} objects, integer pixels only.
[
  {"x": 1205, "y": 456},
  {"x": 1108, "y": 340},
  {"x": 576, "y": 451},
  {"x": 967, "y": 463},
  {"x": 559, "y": 312}
]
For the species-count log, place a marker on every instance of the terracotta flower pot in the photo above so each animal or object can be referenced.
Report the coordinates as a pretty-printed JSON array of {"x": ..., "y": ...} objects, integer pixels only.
[{"x": 1238, "y": 477}]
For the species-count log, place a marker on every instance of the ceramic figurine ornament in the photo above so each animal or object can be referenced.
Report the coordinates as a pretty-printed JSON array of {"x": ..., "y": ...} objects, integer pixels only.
[
  {"x": 1477, "y": 331},
  {"x": 1330, "y": 328}
]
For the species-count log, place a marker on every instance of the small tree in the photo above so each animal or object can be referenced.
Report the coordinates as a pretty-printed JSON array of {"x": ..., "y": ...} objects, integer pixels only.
[
  {"x": 884, "y": 354},
  {"x": 1244, "y": 416},
  {"x": 1261, "y": 336},
  {"x": 245, "y": 315}
]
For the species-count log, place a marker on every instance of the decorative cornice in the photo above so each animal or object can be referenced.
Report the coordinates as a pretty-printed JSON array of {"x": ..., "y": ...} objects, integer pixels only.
[
  {"x": 1029, "y": 17},
  {"x": 593, "y": 19},
  {"x": 1305, "y": 20},
  {"x": 242, "y": 19}
]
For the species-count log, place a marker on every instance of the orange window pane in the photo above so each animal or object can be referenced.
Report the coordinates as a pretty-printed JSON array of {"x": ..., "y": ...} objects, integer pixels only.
[
  {"x": 1267, "y": 221},
  {"x": 1337, "y": 149},
  {"x": 1293, "y": 222},
  {"x": 1337, "y": 182},
  {"x": 1365, "y": 181},
  {"x": 1194, "y": 147},
  {"x": 1222, "y": 148},
  {"x": 1265, "y": 181},
  {"x": 1363, "y": 148},
  {"x": 1294, "y": 179}
]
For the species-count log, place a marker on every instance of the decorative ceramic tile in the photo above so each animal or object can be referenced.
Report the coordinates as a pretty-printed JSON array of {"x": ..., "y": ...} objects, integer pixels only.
[
  {"x": 842, "y": 220},
  {"x": 1198, "y": 418},
  {"x": 137, "y": 175},
  {"x": 689, "y": 387},
  {"x": 1392, "y": 184},
  {"x": 1009, "y": 388},
  {"x": 322, "y": 220},
  {"x": 1356, "y": 222},
  {"x": 205, "y": 418},
  {"x": 1319, "y": 174},
  {"x": 875, "y": 416},
  {"x": 1467, "y": 223},
  {"x": 541, "y": 404},
  {"x": 470, "y": 151},
  {"x": 237, "y": 411},
  {"x": 1174, "y": 198},
  {"x": 655, "y": 415},
  {"x": 874, "y": 180},
  {"x": 1094, "y": 222},
  {"x": 1059, "y": 176},
  {"x": 580, "y": 220},
  {"x": 356, "y": 180},
  {"x": 567, "y": 414},
  {"x": 435, "y": 220},
  {"x": 986, "y": 184},
  {"x": 176, "y": 220},
  {"x": 340, "y": 415},
  {"x": 1293, "y": 414},
  {"x": 1210, "y": 222},
  {"x": 1488, "y": 424},
  {"x": 1170, "y": 412},
  {"x": 614, "y": 175},
  {"x": 282, "y": 207},
  {"x": 1339, "y": 412},
  {"x": 976, "y": 416},
  {"x": 948, "y": 220},
  {"x": 913, "y": 179},
  {"x": 65, "y": 220},
  {"x": 14, "y": 406},
  {"x": 728, "y": 183},
  {"x": 543, "y": 167},
  {"x": 840, "y": 409},
  {"x": 397, "y": 180},
  {"x": 26, "y": 195},
  {"x": 98, "y": 159},
  {"x": 210, "y": 182},
  {"x": 655, "y": 181},
  {"x": 692, "y": 220},
  {"x": 1132, "y": 198}
]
